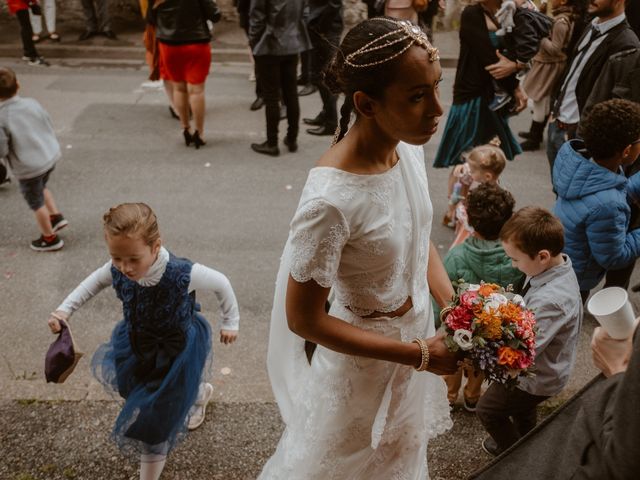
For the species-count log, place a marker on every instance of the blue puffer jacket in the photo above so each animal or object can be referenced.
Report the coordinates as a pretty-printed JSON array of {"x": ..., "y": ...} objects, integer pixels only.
[{"x": 593, "y": 207}]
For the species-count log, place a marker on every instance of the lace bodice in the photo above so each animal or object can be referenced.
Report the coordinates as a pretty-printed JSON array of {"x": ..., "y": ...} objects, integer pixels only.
[{"x": 354, "y": 233}]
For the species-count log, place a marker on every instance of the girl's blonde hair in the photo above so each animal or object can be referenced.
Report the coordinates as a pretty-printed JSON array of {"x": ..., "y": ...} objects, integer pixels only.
[
  {"x": 132, "y": 220},
  {"x": 489, "y": 158}
]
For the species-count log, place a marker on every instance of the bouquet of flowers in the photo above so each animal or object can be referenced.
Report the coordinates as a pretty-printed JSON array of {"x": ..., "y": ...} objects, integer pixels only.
[{"x": 494, "y": 329}]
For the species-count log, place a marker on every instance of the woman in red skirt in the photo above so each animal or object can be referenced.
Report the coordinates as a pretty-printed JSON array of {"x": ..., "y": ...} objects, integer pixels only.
[{"x": 185, "y": 56}]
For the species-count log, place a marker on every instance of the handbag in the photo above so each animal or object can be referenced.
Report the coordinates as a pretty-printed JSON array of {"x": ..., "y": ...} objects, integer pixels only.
[
  {"x": 35, "y": 8},
  {"x": 210, "y": 10}
]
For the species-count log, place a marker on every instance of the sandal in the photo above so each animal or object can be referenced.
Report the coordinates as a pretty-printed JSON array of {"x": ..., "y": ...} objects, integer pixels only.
[
  {"x": 36, "y": 38},
  {"x": 447, "y": 221},
  {"x": 54, "y": 37},
  {"x": 199, "y": 409}
]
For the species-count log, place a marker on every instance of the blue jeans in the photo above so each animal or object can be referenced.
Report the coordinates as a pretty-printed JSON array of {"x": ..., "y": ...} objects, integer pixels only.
[
  {"x": 555, "y": 140},
  {"x": 557, "y": 137}
]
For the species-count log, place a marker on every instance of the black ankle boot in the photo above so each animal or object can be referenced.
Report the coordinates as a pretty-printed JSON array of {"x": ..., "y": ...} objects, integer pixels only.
[
  {"x": 527, "y": 135},
  {"x": 291, "y": 144},
  {"x": 197, "y": 141},
  {"x": 534, "y": 139},
  {"x": 187, "y": 137},
  {"x": 317, "y": 120},
  {"x": 266, "y": 149}
]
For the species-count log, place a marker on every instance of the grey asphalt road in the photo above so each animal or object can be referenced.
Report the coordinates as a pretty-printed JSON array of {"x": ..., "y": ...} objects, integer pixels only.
[{"x": 223, "y": 206}]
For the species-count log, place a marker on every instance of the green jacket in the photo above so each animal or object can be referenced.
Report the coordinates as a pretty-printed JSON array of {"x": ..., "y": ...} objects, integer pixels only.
[{"x": 477, "y": 260}]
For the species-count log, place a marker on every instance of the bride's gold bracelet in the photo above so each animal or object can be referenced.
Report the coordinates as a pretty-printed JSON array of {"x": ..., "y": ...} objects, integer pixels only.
[{"x": 424, "y": 350}]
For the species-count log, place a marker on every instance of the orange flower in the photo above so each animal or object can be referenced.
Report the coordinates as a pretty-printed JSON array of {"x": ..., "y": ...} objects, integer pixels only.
[
  {"x": 487, "y": 289},
  {"x": 510, "y": 312},
  {"x": 489, "y": 325},
  {"x": 508, "y": 356}
]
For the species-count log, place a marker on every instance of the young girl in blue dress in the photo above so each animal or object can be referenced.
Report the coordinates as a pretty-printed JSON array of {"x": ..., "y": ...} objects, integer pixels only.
[{"x": 157, "y": 356}]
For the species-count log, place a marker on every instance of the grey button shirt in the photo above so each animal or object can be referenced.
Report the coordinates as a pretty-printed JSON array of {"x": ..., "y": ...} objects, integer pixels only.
[{"x": 554, "y": 297}]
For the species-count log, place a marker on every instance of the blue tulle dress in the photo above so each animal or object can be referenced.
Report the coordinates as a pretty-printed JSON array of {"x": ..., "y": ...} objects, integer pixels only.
[{"x": 155, "y": 360}]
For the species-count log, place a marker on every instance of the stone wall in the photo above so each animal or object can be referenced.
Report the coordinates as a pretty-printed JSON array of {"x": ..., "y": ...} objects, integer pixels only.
[
  {"x": 355, "y": 10},
  {"x": 125, "y": 9}
]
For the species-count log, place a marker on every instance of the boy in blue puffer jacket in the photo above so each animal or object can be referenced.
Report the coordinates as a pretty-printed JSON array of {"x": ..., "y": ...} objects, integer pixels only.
[{"x": 594, "y": 194}]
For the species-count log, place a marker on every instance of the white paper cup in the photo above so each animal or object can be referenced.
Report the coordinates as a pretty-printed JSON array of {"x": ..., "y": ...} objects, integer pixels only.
[{"x": 613, "y": 311}]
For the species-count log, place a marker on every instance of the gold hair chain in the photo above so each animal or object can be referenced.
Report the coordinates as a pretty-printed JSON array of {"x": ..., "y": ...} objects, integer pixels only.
[{"x": 406, "y": 30}]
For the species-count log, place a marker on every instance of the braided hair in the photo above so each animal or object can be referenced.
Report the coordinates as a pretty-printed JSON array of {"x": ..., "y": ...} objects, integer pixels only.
[{"x": 378, "y": 45}]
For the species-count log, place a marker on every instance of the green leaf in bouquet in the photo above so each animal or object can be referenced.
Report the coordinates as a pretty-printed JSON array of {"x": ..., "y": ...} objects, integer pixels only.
[
  {"x": 451, "y": 345},
  {"x": 514, "y": 343}
]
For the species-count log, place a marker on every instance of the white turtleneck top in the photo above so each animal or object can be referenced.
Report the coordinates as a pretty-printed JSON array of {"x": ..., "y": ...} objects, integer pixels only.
[{"x": 202, "y": 278}]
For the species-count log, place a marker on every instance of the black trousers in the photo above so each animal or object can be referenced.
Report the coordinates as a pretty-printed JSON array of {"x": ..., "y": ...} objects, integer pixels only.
[
  {"x": 321, "y": 55},
  {"x": 305, "y": 67},
  {"x": 26, "y": 32},
  {"x": 506, "y": 414},
  {"x": 277, "y": 73}
]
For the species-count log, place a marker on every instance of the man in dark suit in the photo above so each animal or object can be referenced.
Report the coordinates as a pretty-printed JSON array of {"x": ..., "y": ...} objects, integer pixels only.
[
  {"x": 325, "y": 28},
  {"x": 633, "y": 15},
  {"x": 608, "y": 34}
]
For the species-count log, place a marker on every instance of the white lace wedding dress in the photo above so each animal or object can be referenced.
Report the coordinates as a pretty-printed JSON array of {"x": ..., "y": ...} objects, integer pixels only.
[{"x": 348, "y": 417}]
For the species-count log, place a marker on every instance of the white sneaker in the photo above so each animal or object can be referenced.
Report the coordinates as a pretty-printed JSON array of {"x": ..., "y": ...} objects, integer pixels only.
[
  {"x": 199, "y": 409},
  {"x": 152, "y": 85}
]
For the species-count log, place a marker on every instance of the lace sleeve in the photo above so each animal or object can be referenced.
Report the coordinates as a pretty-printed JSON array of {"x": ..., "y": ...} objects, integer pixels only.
[{"x": 319, "y": 232}]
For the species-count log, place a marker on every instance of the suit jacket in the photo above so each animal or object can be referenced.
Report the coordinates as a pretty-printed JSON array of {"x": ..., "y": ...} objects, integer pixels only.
[
  {"x": 619, "y": 38},
  {"x": 325, "y": 17},
  {"x": 633, "y": 15},
  {"x": 619, "y": 79}
]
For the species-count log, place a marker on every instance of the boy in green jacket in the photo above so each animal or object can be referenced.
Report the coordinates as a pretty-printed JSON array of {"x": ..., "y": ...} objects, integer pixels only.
[{"x": 481, "y": 258}]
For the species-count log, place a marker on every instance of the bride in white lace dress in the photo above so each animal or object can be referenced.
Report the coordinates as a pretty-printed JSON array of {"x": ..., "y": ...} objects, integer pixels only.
[{"x": 367, "y": 403}]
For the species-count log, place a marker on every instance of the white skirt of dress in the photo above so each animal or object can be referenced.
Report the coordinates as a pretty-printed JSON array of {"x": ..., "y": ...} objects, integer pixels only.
[{"x": 359, "y": 418}]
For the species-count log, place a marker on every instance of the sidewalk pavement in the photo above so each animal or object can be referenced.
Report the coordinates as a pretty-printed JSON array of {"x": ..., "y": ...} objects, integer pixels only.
[
  {"x": 229, "y": 44},
  {"x": 70, "y": 440}
]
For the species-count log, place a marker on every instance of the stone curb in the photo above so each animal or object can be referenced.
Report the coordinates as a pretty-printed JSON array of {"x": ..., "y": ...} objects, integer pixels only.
[{"x": 99, "y": 52}]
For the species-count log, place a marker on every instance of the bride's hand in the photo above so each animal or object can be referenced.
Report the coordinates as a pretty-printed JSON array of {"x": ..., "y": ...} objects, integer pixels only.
[{"x": 441, "y": 360}]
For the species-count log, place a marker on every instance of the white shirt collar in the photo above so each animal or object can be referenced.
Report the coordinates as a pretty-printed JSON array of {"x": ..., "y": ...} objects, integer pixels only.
[
  {"x": 607, "y": 25},
  {"x": 156, "y": 270}
]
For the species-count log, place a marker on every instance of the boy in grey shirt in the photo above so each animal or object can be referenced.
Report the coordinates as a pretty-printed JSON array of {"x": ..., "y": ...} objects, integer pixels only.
[
  {"x": 533, "y": 238},
  {"x": 28, "y": 141}
]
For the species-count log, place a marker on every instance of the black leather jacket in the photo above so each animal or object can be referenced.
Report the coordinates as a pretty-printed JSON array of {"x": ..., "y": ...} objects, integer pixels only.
[
  {"x": 181, "y": 22},
  {"x": 278, "y": 27}
]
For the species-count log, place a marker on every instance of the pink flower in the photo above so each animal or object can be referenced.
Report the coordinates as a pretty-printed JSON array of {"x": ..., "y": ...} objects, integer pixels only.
[
  {"x": 459, "y": 318},
  {"x": 524, "y": 361},
  {"x": 469, "y": 298}
]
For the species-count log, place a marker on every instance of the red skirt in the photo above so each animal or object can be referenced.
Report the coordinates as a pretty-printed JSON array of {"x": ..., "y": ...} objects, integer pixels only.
[{"x": 185, "y": 63}]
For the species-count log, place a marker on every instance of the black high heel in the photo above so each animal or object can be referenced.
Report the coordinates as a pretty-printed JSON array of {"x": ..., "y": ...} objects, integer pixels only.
[
  {"x": 197, "y": 141},
  {"x": 188, "y": 138}
]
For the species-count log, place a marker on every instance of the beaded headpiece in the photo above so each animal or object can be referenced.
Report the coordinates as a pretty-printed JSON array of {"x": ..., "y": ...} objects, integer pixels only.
[{"x": 406, "y": 30}]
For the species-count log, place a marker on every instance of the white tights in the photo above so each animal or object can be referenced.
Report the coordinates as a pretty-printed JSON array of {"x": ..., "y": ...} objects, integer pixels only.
[
  {"x": 151, "y": 466},
  {"x": 49, "y": 7},
  {"x": 541, "y": 110}
]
